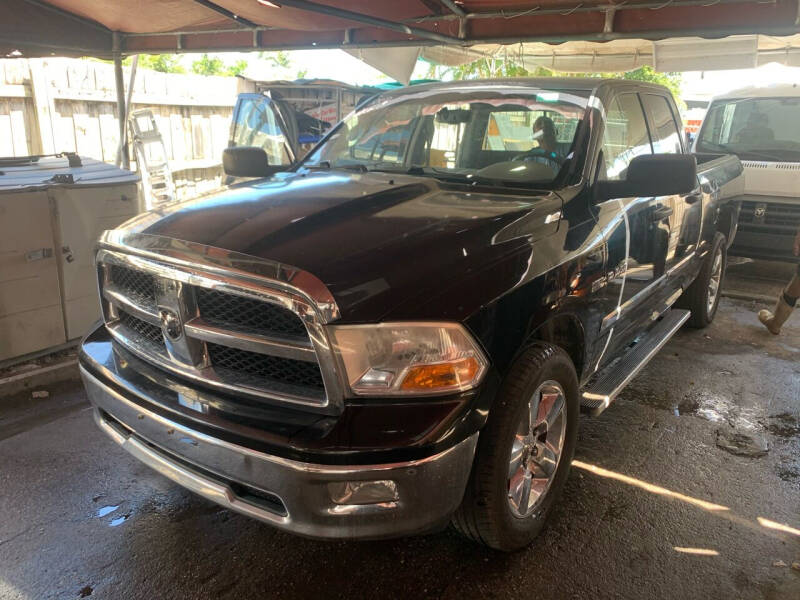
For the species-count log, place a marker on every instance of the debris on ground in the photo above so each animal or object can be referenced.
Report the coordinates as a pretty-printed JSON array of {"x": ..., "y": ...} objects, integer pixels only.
[
  {"x": 40, "y": 394},
  {"x": 779, "y": 563},
  {"x": 742, "y": 442},
  {"x": 33, "y": 364}
]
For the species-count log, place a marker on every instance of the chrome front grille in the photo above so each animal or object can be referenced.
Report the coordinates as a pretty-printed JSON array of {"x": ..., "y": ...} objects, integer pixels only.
[
  {"x": 224, "y": 331},
  {"x": 245, "y": 314},
  {"x": 775, "y": 217},
  {"x": 148, "y": 332},
  {"x": 263, "y": 366},
  {"x": 139, "y": 286}
]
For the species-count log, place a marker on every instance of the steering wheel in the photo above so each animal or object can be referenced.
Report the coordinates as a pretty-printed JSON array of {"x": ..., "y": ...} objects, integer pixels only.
[{"x": 541, "y": 153}]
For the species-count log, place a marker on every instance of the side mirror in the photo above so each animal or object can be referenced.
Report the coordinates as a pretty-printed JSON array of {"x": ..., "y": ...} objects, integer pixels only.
[
  {"x": 653, "y": 175},
  {"x": 247, "y": 161}
]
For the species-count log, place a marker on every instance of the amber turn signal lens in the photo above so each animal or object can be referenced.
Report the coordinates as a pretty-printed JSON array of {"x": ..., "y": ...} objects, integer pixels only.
[{"x": 442, "y": 375}]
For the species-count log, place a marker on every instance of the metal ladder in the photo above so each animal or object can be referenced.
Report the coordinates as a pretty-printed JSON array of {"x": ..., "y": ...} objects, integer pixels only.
[{"x": 158, "y": 188}]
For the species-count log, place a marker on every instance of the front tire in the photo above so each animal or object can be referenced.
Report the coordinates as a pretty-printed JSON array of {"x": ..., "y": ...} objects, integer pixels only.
[
  {"x": 524, "y": 451},
  {"x": 702, "y": 296}
]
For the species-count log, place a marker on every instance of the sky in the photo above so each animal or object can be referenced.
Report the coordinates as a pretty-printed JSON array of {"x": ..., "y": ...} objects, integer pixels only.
[{"x": 337, "y": 64}]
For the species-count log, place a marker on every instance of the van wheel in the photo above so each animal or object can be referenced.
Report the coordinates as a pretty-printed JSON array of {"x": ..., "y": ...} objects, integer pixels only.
[
  {"x": 524, "y": 451},
  {"x": 702, "y": 296}
]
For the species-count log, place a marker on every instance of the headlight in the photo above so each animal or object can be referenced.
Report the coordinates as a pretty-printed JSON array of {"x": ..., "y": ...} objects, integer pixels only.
[{"x": 395, "y": 359}]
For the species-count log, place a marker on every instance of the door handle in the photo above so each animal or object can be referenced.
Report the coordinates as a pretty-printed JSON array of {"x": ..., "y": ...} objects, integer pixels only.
[
  {"x": 662, "y": 212},
  {"x": 693, "y": 198},
  {"x": 39, "y": 254}
]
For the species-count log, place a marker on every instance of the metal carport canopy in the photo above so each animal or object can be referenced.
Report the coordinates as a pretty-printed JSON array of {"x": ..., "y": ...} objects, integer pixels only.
[{"x": 109, "y": 28}]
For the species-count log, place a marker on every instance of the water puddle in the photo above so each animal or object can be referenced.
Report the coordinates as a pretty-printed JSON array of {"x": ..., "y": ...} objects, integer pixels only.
[
  {"x": 119, "y": 520},
  {"x": 742, "y": 442},
  {"x": 106, "y": 510},
  {"x": 784, "y": 425}
]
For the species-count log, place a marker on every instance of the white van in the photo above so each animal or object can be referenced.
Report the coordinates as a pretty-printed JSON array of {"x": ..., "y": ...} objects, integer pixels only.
[{"x": 762, "y": 126}]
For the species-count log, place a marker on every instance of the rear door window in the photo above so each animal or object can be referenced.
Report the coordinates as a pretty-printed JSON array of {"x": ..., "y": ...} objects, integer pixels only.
[
  {"x": 666, "y": 134},
  {"x": 624, "y": 137}
]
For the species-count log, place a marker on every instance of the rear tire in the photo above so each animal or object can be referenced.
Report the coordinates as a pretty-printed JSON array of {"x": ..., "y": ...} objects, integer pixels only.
[
  {"x": 497, "y": 510},
  {"x": 702, "y": 296}
]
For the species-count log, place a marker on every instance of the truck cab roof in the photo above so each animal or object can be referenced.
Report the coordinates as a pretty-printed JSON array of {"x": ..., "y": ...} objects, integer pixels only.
[{"x": 586, "y": 84}]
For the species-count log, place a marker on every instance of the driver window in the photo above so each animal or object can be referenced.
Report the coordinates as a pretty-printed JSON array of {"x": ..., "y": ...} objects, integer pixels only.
[
  {"x": 625, "y": 136},
  {"x": 257, "y": 125}
]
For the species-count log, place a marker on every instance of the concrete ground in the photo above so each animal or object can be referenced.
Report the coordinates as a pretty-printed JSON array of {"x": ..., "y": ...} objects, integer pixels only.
[{"x": 660, "y": 502}]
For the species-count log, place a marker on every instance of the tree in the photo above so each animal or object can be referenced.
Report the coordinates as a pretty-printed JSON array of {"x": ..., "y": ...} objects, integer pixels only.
[
  {"x": 165, "y": 63},
  {"x": 237, "y": 68},
  {"x": 671, "y": 80},
  {"x": 278, "y": 59},
  {"x": 208, "y": 65}
]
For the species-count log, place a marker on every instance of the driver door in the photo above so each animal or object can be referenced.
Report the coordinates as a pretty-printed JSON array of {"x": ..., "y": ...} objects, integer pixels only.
[
  {"x": 263, "y": 122},
  {"x": 638, "y": 245}
]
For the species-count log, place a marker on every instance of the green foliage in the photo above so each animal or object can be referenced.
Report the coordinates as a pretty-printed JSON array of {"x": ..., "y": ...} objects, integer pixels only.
[
  {"x": 278, "y": 59},
  {"x": 165, "y": 63},
  {"x": 672, "y": 80},
  {"x": 237, "y": 68},
  {"x": 213, "y": 65},
  {"x": 208, "y": 65}
]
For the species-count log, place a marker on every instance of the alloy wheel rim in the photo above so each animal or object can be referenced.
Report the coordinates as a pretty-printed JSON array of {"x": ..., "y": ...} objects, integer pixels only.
[
  {"x": 714, "y": 281},
  {"x": 536, "y": 449}
]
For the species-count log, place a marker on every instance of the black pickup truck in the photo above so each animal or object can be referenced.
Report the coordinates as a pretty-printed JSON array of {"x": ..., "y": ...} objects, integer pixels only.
[{"x": 400, "y": 331}]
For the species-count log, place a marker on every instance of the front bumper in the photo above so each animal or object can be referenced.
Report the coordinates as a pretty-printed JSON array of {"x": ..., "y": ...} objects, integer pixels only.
[{"x": 292, "y": 495}]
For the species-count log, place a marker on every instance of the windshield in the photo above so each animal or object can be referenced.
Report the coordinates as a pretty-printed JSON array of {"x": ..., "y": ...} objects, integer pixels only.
[
  {"x": 754, "y": 128},
  {"x": 498, "y": 135}
]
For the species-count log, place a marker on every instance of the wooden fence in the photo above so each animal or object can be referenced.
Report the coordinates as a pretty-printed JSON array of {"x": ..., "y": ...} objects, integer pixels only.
[{"x": 63, "y": 104}]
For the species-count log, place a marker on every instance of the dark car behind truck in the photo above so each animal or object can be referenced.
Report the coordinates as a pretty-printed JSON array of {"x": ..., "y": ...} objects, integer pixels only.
[{"x": 400, "y": 331}]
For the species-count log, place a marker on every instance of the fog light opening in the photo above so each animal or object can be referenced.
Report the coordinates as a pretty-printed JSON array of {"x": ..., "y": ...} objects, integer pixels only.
[{"x": 363, "y": 492}]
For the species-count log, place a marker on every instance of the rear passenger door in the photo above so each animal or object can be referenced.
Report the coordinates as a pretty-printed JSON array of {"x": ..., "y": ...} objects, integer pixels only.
[{"x": 683, "y": 214}]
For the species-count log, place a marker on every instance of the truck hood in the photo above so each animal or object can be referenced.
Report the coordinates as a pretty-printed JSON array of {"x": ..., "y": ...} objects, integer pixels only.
[
  {"x": 376, "y": 240},
  {"x": 780, "y": 179}
]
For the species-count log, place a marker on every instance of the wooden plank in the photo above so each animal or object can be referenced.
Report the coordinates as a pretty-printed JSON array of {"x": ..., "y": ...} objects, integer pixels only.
[
  {"x": 63, "y": 127},
  {"x": 220, "y": 130},
  {"x": 87, "y": 131},
  {"x": 198, "y": 138},
  {"x": 20, "y": 130},
  {"x": 15, "y": 90},
  {"x": 162, "y": 122},
  {"x": 6, "y": 135},
  {"x": 16, "y": 72},
  {"x": 44, "y": 106},
  {"x": 109, "y": 131}
]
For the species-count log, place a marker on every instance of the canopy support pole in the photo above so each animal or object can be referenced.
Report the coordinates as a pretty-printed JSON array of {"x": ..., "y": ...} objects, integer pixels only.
[
  {"x": 123, "y": 104},
  {"x": 122, "y": 150}
]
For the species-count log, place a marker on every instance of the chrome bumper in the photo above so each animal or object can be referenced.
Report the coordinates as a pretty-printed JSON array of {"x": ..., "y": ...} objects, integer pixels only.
[{"x": 291, "y": 495}]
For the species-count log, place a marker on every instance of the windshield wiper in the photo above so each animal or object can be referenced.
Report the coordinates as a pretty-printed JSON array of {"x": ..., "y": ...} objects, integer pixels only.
[
  {"x": 400, "y": 170},
  {"x": 326, "y": 164},
  {"x": 323, "y": 164},
  {"x": 764, "y": 155},
  {"x": 755, "y": 153}
]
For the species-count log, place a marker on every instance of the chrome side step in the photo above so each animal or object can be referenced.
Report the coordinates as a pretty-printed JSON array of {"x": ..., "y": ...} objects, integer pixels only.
[{"x": 605, "y": 386}]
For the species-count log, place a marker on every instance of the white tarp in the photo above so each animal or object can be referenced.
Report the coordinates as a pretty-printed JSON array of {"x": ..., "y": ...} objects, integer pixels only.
[
  {"x": 397, "y": 63},
  {"x": 675, "y": 54}
]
